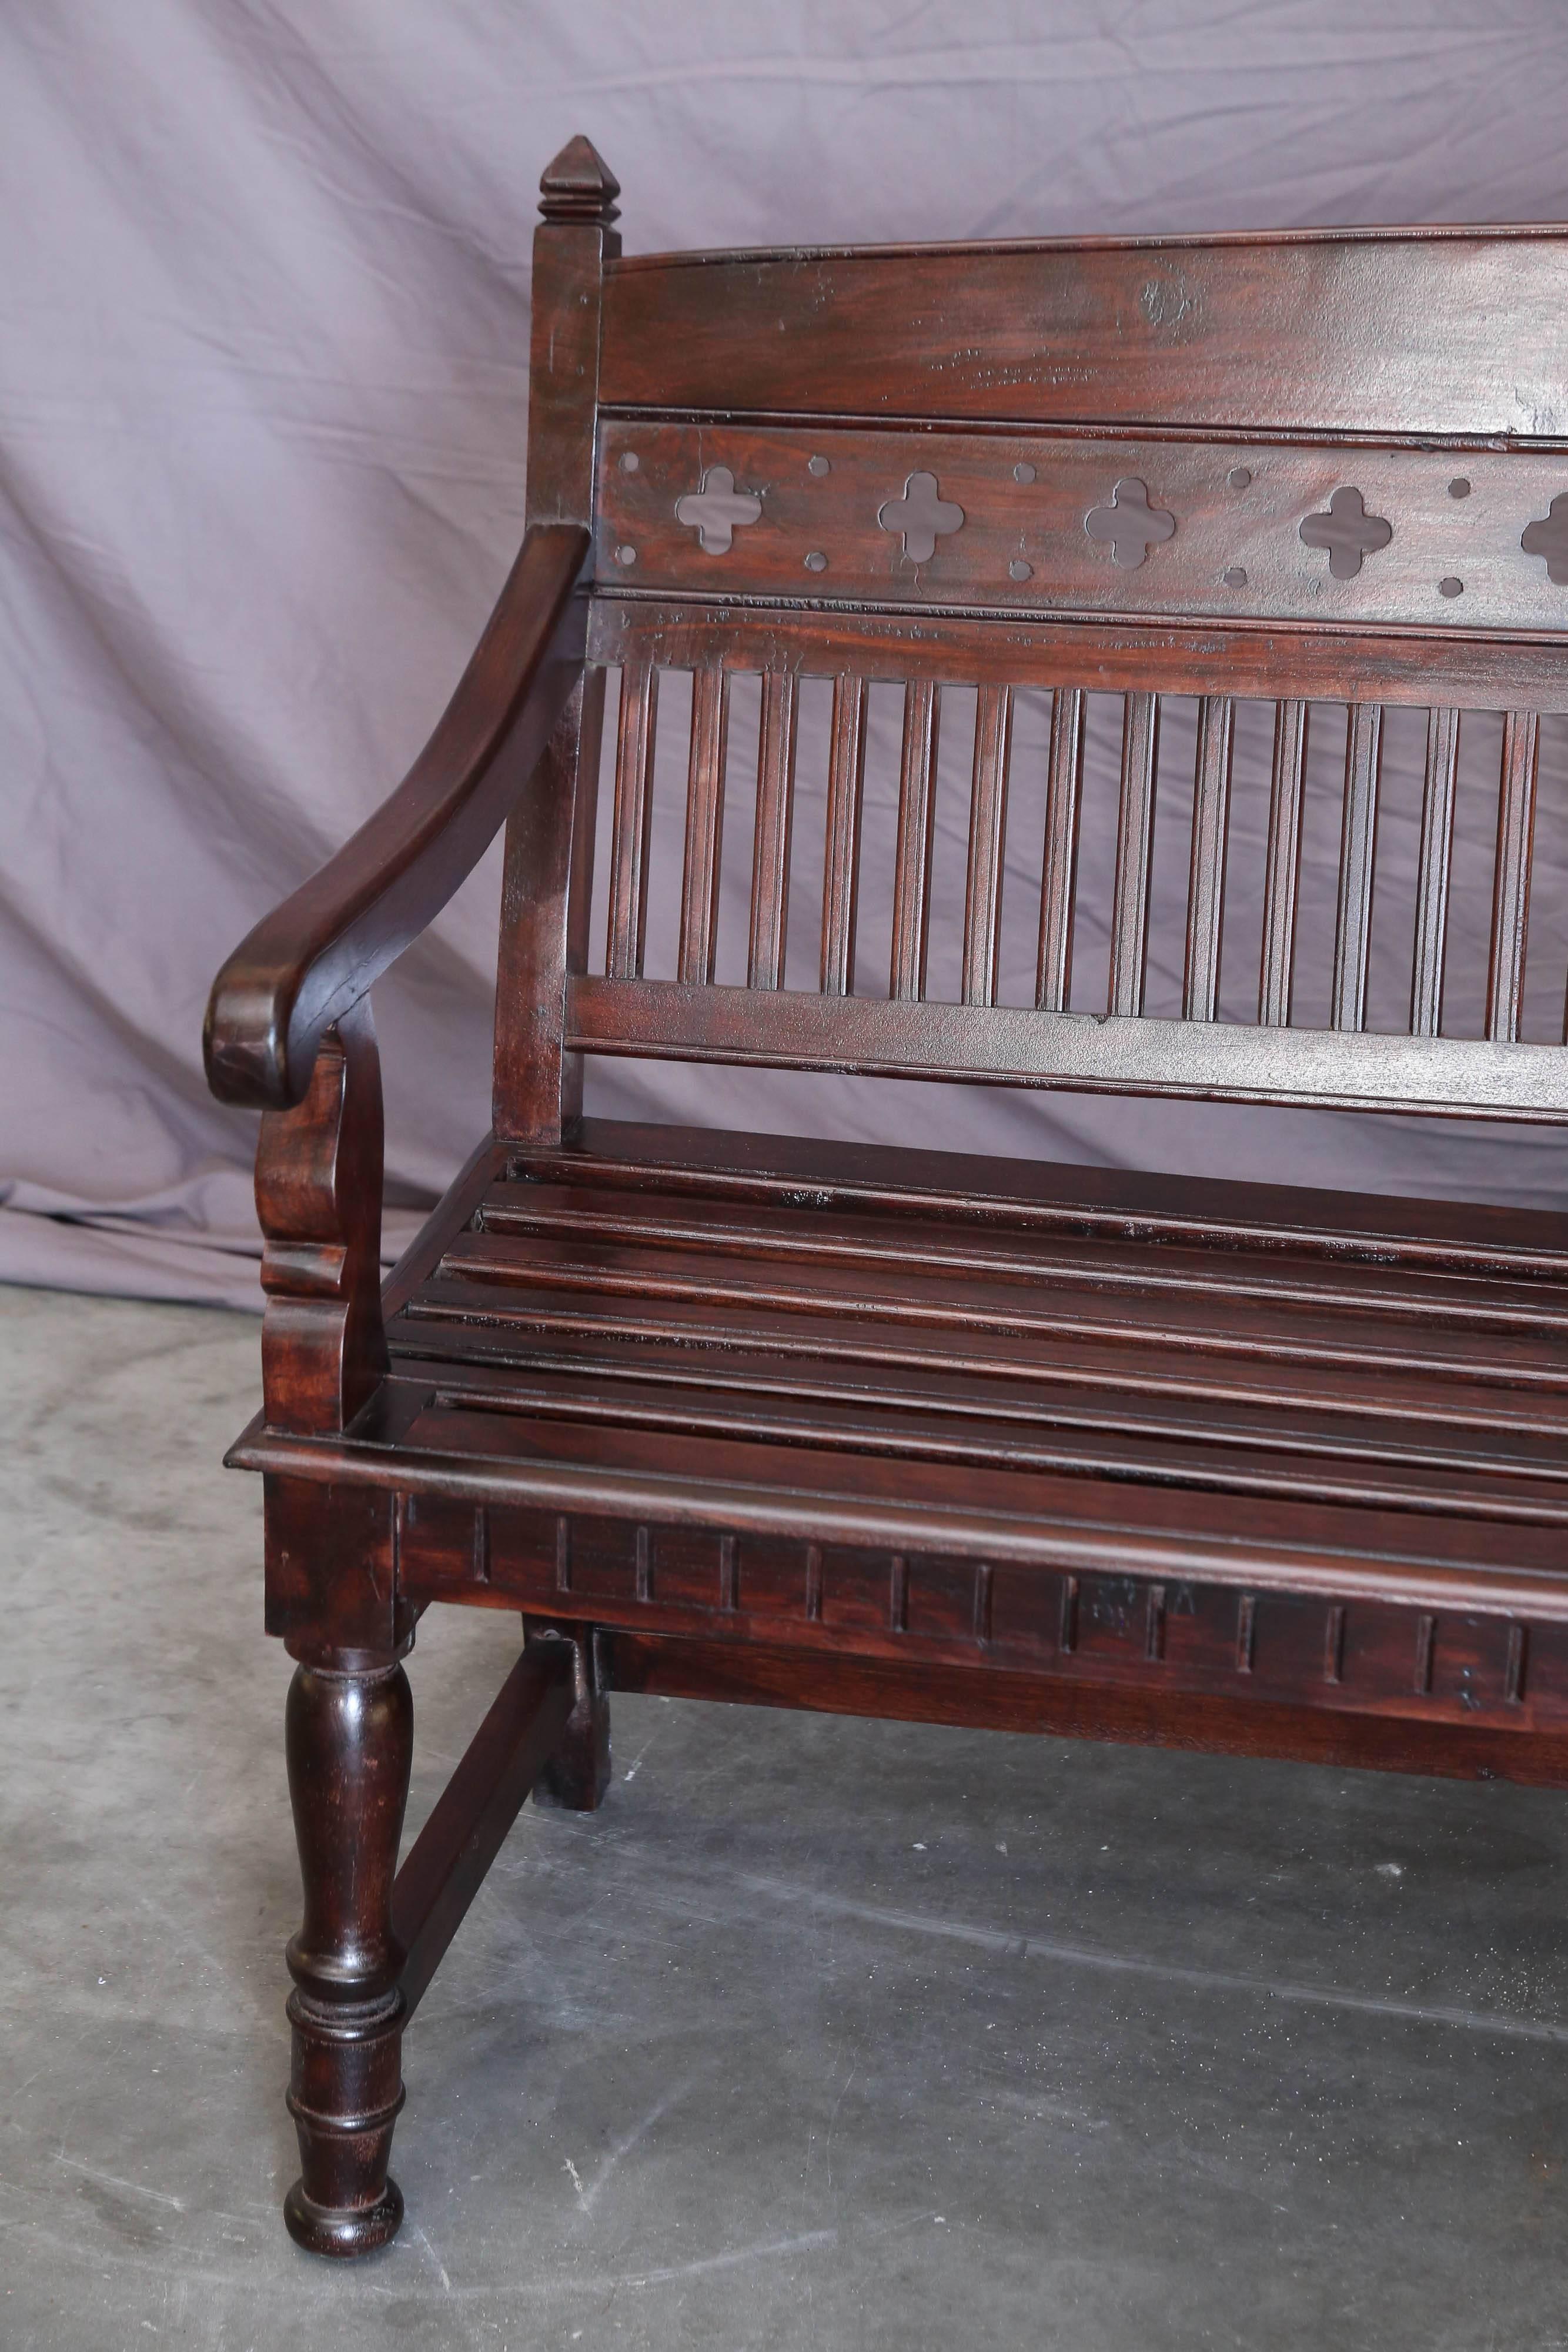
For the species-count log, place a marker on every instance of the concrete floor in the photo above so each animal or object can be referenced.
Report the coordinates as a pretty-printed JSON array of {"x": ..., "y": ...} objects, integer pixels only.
[{"x": 821, "y": 2034}]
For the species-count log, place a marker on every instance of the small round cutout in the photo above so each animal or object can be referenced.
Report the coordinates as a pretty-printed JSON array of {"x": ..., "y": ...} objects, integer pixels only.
[
  {"x": 817, "y": 465},
  {"x": 816, "y": 560},
  {"x": 1239, "y": 477},
  {"x": 1022, "y": 472},
  {"x": 1018, "y": 570},
  {"x": 629, "y": 461},
  {"x": 1451, "y": 586},
  {"x": 1458, "y": 488},
  {"x": 1235, "y": 577},
  {"x": 627, "y": 555}
]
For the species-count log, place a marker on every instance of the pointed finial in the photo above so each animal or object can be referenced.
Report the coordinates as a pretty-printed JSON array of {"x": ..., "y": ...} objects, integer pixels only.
[{"x": 579, "y": 185}]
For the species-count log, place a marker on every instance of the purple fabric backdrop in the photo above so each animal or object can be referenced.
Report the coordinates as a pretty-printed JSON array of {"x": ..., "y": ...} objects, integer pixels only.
[{"x": 263, "y": 406}]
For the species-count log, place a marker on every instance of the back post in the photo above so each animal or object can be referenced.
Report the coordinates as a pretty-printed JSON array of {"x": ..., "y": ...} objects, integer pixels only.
[{"x": 548, "y": 873}]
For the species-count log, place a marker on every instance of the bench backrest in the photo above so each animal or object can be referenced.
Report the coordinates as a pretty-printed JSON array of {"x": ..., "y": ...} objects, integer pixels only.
[{"x": 1325, "y": 469}]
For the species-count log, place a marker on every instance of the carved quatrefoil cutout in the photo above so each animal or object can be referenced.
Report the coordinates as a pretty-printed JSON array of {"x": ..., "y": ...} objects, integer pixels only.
[
  {"x": 1348, "y": 531},
  {"x": 718, "y": 510},
  {"x": 1548, "y": 540},
  {"x": 922, "y": 515},
  {"x": 1131, "y": 524}
]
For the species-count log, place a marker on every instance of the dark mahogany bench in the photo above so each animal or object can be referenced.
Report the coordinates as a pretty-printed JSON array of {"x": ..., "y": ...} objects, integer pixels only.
[{"x": 965, "y": 1440}]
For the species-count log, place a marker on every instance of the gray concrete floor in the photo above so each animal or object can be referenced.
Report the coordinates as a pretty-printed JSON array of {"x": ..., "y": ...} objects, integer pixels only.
[{"x": 821, "y": 2034}]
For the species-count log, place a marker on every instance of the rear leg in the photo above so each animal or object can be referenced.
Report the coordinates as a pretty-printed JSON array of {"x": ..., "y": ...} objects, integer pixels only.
[{"x": 578, "y": 1774}]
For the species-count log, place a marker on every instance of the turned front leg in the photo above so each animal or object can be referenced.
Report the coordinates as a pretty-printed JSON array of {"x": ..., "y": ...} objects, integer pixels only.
[{"x": 350, "y": 1744}]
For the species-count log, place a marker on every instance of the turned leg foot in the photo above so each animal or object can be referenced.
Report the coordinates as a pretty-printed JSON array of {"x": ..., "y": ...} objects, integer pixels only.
[
  {"x": 350, "y": 1741},
  {"x": 578, "y": 1774}
]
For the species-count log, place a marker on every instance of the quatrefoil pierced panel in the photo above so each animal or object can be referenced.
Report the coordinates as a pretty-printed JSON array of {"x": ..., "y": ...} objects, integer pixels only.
[
  {"x": 1130, "y": 524},
  {"x": 921, "y": 516},
  {"x": 718, "y": 510},
  {"x": 1547, "y": 537},
  {"x": 1070, "y": 523},
  {"x": 1348, "y": 533}
]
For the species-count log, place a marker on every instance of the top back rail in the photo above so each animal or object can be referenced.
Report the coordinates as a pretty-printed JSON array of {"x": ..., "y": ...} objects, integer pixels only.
[
  {"x": 1295, "y": 469},
  {"x": 1388, "y": 334}
]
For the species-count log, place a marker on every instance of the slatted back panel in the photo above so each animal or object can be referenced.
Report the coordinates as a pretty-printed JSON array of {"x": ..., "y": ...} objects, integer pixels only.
[{"x": 1247, "y": 473}]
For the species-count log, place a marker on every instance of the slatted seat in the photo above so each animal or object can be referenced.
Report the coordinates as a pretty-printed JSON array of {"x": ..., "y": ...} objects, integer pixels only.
[
  {"x": 837, "y": 566},
  {"x": 918, "y": 1323}
]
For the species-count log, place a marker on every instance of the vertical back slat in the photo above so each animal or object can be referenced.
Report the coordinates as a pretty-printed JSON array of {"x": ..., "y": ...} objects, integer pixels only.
[
  {"x": 1134, "y": 845},
  {"x": 1510, "y": 878},
  {"x": 840, "y": 866},
  {"x": 911, "y": 869},
  {"x": 988, "y": 839},
  {"x": 1433, "y": 870},
  {"x": 1357, "y": 848},
  {"x": 704, "y": 824},
  {"x": 1283, "y": 864},
  {"x": 1205, "y": 875},
  {"x": 1059, "y": 881},
  {"x": 632, "y": 815},
  {"x": 775, "y": 818}
]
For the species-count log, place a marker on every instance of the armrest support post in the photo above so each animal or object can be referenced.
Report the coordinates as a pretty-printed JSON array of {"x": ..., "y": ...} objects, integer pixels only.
[{"x": 319, "y": 1196}]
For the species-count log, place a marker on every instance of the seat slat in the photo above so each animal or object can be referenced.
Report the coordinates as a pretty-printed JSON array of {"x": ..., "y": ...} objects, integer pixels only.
[
  {"x": 465, "y": 1308},
  {"x": 653, "y": 1219},
  {"x": 1317, "y": 1441},
  {"x": 885, "y": 1425},
  {"x": 1160, "y": 1322},
  {"x": 965, "y": 1194}
]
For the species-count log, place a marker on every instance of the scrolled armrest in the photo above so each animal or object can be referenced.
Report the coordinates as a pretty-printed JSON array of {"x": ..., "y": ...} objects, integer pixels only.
[{"x": 307, "y": 962}]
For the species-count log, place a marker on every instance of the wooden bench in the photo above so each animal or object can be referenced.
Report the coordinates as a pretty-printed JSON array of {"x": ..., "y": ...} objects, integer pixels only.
[{"x": 966, "y": 1440}]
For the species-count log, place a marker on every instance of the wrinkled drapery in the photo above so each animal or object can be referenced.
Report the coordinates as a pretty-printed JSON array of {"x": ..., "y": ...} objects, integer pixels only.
[{"x": 263, "y": 413}]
